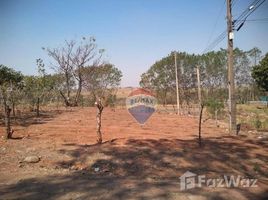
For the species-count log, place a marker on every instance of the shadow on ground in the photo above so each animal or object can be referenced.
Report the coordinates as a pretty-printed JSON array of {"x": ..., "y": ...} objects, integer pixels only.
[
  {"x": 30, "y": 118},
  {"x": 149, "y": 169}
]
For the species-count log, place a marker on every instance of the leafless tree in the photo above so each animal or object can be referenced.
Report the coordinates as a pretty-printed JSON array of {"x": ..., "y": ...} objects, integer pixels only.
[{"x": 70, "y": 60}]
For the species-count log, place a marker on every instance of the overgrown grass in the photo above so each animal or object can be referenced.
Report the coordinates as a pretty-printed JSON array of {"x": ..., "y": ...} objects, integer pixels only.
[{"x": 253, "y": 115}]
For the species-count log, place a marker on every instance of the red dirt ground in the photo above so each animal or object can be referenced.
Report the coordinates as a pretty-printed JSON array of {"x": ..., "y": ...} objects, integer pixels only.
[{"x": 134, "y": 162}]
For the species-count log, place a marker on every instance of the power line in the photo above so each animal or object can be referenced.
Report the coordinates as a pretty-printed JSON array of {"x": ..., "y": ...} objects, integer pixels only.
[
  {"x": 234, "y": 3},
  {"x": 245, "y": 12},
  {"x": 243, "y": 17},
  {"x": 255, "y": 8},
  {"x": 256, "y": 20},
  {"x": 216, "y": 23},
  {"x": 260, "y": 19},
  {"x": 215, "y": 42},
  {"x": 238, "y": 23}
]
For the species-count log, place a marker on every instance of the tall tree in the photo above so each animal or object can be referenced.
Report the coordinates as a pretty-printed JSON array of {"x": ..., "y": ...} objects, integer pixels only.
[
  {"x": 37, "y": 88},
  {"x": 161, "y": 76},
  {"x": 260, "y": 73},
  {"x": 70, "y": 60},
  {"x": 102, "y": 81},
  {"x": 214, "y": 69},
  {"x": 243, "y": 68},
  {"x": 254, "y": 54},
  {"x": 8, "y": 79}
]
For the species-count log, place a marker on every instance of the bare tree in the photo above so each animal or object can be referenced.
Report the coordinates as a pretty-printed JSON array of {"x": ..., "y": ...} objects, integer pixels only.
[{"x": 70, "y": 61}]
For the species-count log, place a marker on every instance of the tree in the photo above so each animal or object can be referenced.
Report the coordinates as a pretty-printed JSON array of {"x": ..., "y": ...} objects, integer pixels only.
[
  {"x": 254, "y": 54},
  {"x": 100, "y": 107},
  {"x": 8, "y": 79},
  {"x": 260, "y": 73},
  {"x": 37, "y": 88},
  {"x": 214, "y": 73},
  {"x": 102, "y": 81},
  {"x": 70, "y": 60},
  {"x": 161, "y": 77},
  {"x": 243, "y": 67}
]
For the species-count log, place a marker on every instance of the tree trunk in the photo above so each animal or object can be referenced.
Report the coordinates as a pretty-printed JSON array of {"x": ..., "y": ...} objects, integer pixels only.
[
  {"x": 37, "y": 107},
  {"x": 7, "y": 122},
  {"x": 78, "y": 92},
  {"x": 216, "y": 118},
  {"x": 66, "y": 101},
  {"x": 200, "y": 124},
  {"x": 100, "y": 107},
  {"x": 13, "y": 109},
  {"x": 68, "y": 85}
]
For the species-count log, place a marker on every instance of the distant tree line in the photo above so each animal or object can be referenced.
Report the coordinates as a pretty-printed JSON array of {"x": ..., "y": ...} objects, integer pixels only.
[{"x": 160, "y": 77}]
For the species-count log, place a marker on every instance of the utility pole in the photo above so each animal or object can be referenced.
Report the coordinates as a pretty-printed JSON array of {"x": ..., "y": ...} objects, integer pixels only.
[
  {"x": 231, "y": 83},
  {"x": 177, "y": 84},
  {"x": 199, "y": 86}
]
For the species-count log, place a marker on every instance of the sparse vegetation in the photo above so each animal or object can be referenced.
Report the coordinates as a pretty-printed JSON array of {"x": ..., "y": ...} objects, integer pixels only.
[
  {"x": 214, "y": 107},
  {"x": 167, "y": 111}
]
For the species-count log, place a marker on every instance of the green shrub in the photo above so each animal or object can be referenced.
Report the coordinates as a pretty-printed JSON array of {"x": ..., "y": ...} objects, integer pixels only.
[
  {"x": 111, "y": 100},
  {"x": 213, "y": 105},
  {"x": 257, "y": 122}
]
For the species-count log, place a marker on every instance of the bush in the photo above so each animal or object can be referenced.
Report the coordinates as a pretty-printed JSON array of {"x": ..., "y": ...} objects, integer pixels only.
[
  {"x": 214, "y": 105},
  {"x": 111, "y": 100},
  {"x": 257, "y": 122}
]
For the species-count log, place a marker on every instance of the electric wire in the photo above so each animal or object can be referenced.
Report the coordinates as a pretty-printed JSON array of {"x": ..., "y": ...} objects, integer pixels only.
[{"x": 239, "y": 21}]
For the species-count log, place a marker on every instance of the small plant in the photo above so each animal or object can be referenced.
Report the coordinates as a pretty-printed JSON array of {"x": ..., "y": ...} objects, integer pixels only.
[
  {"x": 256, "y": 167},
  {"x": 257, "y": 122},
  {"x": 265, "y": 124},
  {"x": 214, "y": 107}
]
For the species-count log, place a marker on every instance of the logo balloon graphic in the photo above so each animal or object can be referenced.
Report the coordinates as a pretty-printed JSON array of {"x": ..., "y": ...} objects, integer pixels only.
[{"x": 141, "y": 104}]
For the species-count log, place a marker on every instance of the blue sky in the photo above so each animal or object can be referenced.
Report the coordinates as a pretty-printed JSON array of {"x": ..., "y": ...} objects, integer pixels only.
[{"x": 134, "y": 33}]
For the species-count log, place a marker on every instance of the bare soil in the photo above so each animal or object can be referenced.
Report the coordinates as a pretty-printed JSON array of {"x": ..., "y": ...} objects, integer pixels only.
[{"x": 134, "y": 162}]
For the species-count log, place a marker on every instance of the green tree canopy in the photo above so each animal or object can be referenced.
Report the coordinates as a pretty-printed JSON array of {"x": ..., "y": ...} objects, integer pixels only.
[
  {"x": 260, "y": 73},
  {"x": 160, "y": 77},
  {"x": 9, "y": 80},
  {"x": 9, "y": 75},
  {"x": 102, "y": 81}
]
